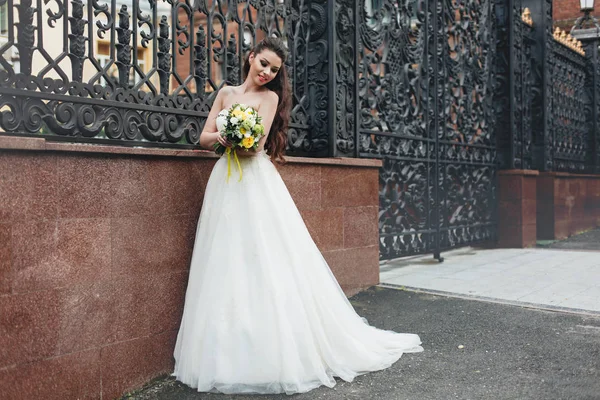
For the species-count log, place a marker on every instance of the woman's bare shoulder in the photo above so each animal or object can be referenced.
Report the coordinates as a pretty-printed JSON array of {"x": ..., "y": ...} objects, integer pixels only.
[
  {"x": 227, "y": 90},
  {"x": 270, "y": 96},
  {"x": 224, "y": 93}
]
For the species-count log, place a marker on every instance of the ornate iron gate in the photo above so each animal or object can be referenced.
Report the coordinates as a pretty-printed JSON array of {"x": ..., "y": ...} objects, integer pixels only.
[{"x": 415, "y": 81}]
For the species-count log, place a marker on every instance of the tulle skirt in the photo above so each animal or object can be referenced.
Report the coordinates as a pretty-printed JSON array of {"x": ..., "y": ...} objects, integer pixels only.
[{"x": 263, "y": 312}]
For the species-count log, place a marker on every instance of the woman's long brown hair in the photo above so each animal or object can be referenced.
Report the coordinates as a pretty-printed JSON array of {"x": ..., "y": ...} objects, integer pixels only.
[{"x": 277, "y": 139}]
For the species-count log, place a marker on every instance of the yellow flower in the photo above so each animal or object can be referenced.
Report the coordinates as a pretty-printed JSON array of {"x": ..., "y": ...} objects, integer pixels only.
[
  {"x": 237, "y": 113},
  {"x": 248, "y": 142},
  {"x": 244, "y": 116},
  {"x": 243, "y": 130}
]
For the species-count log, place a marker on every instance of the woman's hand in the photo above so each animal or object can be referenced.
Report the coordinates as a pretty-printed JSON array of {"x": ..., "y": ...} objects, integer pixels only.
[
  {"x": 209, "y": 139},
  {"x": 222, "y": 141}
]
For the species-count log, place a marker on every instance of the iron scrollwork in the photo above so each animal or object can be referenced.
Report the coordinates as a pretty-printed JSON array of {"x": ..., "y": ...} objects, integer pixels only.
[
  {"x": 345, "y": 77},
  {"x": 391, "y": 110},
  {"x": 569, "y": 123},
  {"x": 310, "y": 56},
  {"x": 145, "y": 72},
  {"x": 514, "y": 92},
  {"x": 425, "y": 74},
  {"x": 467, "y": 143}
]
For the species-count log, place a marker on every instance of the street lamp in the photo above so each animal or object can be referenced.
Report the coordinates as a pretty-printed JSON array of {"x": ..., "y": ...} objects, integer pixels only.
[{"x": 587, "y": 5}]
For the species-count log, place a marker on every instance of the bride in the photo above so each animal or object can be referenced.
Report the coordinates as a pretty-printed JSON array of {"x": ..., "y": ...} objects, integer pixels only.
[{"x": 263, "y": 312}]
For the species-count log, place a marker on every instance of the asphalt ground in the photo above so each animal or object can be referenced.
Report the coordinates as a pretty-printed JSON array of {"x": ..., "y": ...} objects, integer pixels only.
[
  {"x": 586, "y": 241},
  {"x": 473, "y": 350}
]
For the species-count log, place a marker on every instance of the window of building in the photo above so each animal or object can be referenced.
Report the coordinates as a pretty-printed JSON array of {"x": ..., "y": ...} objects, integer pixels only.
[{"x": 4, "y": 19}]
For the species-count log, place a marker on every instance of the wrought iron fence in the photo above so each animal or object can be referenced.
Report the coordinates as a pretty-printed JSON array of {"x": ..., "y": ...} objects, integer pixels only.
[
  {"x": 144, "y": 72},
  {"x": 546, "y": 94},
  {"x": 515, "y": 88},
  {"x": 570, "y": 141},
  {"x": 435, "y": 88},
  {"x": 408, "y": 81},
  {"x": 591, "y": 42},
  {"x": 414, "y": 87}
]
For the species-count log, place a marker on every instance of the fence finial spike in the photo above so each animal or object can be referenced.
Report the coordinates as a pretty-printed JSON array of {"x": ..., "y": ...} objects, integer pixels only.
[{"x": 526, "y": 16}]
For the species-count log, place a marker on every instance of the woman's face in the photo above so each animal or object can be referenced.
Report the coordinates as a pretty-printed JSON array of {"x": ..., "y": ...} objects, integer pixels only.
[{"x": 264, "y": 67}]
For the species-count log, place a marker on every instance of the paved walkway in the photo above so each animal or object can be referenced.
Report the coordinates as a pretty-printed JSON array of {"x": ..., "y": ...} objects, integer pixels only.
[{"x": 544, "y": 278}]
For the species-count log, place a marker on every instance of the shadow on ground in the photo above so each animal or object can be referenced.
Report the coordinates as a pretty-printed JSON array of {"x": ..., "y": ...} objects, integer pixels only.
[{"x": 509, "y": 353}]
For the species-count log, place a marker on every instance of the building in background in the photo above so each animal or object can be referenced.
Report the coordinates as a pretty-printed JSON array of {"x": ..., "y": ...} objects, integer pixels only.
[
  {"x": 565, "y": 12},
  {"x": 48, "y": 57}
]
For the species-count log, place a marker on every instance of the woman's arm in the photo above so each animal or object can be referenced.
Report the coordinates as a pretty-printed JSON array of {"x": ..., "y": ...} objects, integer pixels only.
[{"x": 210, "y": 135}]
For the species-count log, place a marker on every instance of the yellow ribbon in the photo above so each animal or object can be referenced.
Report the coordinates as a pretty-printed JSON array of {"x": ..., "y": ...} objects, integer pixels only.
[{"x": 237, "y": 160}]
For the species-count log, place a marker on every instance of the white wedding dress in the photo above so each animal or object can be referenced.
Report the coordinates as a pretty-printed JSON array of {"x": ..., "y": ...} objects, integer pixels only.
[{"x": 263, "y": 312}]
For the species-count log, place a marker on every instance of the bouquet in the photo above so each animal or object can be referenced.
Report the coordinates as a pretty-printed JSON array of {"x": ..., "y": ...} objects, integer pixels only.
[{"x": 242, "y": 127}]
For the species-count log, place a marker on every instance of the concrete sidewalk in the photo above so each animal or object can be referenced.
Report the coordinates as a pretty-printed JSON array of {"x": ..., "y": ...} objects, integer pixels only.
[{"x": 551, "y": 279}]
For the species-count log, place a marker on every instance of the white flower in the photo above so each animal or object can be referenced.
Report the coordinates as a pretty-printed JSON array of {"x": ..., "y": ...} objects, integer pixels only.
[
  {"x": 234, "y": 120},
  {"x": 221, "y": 122},
  {"x": 247, "y": 135}
]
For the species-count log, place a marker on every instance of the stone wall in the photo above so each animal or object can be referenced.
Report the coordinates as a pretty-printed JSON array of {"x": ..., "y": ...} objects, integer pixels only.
[
  {"x": 536, "y": 206},
  {"x": 95, "y": 245},
  {"x": 517, "y": 208},
  {"x": 567, "y": 204}
]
